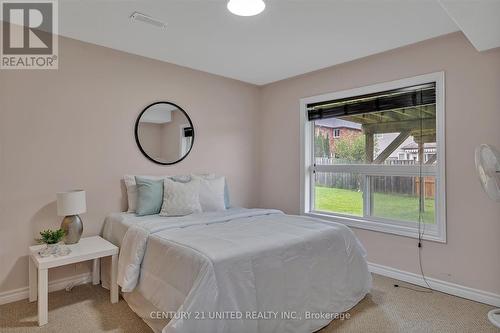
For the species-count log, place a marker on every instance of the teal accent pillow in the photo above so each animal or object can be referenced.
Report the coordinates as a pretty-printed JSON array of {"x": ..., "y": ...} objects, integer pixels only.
[{"x": 149, "y": 196}]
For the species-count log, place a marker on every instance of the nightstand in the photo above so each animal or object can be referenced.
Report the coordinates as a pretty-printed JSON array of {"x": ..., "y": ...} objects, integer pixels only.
[{"x": 89, "y": 248}]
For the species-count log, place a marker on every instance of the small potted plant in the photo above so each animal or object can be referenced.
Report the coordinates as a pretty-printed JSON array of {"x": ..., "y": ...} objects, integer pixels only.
[{"x": 52, "y": 239}]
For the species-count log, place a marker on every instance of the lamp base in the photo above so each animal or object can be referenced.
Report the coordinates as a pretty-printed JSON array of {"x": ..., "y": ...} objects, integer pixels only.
[{"x": 73, "y": 228}]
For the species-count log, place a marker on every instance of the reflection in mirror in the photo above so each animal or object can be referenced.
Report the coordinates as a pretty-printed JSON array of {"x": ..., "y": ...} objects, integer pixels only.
[{"x": 164, "y": 133}]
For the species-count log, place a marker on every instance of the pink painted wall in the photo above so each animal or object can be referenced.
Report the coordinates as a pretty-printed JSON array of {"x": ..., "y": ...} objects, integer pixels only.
[
  {"x": 74, "y": 128},
  {"x": 471, "y": 256}
]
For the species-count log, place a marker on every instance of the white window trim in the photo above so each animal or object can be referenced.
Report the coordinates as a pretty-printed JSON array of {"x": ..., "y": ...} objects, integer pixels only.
[{"x": 437, "y": 232}]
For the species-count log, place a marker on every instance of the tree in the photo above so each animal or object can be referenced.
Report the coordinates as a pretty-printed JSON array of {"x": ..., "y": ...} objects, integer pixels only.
[
  {"x": 326, "y": 143},
  {"x": 321, "y": 145},
  {"x": 350, "y": 148},
  {"x": 318, "y": 145}
]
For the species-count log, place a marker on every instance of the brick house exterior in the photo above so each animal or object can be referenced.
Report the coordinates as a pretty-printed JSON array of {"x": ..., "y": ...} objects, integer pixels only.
[{"x": 337, "y": 129}]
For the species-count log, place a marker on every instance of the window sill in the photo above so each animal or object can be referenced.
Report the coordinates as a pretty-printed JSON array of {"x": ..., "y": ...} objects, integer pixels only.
[{"x": 360, "y": 223}]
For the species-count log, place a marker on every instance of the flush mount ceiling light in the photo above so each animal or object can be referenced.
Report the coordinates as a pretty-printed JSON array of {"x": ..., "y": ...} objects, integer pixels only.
[{"x": 246, "y": 7}]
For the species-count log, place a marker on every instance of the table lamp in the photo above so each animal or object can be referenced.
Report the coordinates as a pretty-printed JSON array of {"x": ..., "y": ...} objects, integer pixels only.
[{"x": 69, "y": 205}]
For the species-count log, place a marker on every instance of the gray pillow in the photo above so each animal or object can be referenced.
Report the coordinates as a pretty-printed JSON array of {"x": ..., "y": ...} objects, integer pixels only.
[{"x": 149, "y": 196}]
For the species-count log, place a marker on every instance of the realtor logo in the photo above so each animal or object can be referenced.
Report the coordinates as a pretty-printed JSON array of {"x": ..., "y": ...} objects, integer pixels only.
[{"x": 29, "y": 37}]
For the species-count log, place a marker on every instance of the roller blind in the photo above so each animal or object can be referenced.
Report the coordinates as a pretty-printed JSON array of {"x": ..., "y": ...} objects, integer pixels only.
[{"x": 413, "y": 96}]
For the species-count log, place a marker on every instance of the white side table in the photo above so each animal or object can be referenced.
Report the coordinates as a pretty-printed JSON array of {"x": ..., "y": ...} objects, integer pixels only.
[{"x": 89, "y": 248}]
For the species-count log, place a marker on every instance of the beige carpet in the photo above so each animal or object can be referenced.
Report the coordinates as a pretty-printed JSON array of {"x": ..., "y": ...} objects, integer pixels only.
[{"x": 387, "y": 309}]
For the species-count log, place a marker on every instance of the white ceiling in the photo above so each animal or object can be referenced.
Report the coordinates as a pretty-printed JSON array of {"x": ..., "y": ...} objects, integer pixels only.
[
  {"x": 158, "y": 114},
  {"x": 289, "y": 38},
  {"x": 479, "y": 21}
]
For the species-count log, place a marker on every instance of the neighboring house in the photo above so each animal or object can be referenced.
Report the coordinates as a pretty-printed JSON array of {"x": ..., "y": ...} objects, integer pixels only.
[
  {"x": 336, "y": 129},
  {"x": 408, "y": 151}
]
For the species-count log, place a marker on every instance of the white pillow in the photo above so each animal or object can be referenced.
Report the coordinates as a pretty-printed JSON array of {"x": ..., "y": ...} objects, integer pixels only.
[
  {"x": 180, "y": 199},
  {"x": 211, "y": 193},
  {"x": 132, "y": 188}
]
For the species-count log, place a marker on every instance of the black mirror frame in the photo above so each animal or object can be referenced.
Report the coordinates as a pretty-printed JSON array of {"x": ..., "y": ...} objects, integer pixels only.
[{"x": 136, "y": 130}]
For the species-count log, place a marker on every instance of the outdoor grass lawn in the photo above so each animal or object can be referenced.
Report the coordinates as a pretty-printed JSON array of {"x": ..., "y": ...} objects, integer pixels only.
[{"x": 390, "y": 206}]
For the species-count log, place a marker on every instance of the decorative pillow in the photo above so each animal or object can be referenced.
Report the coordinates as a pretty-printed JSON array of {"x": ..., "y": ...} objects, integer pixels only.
[
  {"x": 149, "y": 196},
  {"x": 227, "y": 202},
  {"x": 211, "y": 193},
  {"x": 132, "y": 189},
  {"x": 187, "y": 178},
  {"x": 180, "y": 199}
]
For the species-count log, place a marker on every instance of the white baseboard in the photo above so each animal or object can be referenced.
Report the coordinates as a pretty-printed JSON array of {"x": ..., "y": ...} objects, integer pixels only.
[
  {"x": 22, "y": 293},
  {"x": 439, "y": 285}
]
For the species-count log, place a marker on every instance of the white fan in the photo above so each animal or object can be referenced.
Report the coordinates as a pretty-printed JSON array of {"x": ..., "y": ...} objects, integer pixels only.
[{"x": 488, "y": 167}]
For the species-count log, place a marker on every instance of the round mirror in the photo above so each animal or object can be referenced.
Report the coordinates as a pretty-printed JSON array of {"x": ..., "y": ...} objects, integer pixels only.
[{"x": 164, "y": 133}]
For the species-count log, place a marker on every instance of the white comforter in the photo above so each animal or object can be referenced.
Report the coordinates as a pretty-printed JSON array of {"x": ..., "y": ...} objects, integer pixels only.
[{"x": 254, "y": 270}]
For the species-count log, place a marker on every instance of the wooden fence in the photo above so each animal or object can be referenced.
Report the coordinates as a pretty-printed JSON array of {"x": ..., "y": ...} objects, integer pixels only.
[{"x": 381, "y": 184}]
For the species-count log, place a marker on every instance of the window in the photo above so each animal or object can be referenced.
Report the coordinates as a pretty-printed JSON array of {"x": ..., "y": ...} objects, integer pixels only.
[
  {"x": 336, "y": 133},
  {"x": 386, "y": 172}
]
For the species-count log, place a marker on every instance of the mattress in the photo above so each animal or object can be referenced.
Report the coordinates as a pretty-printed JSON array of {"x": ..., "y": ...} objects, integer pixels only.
[{"x": 241, "y": 270}]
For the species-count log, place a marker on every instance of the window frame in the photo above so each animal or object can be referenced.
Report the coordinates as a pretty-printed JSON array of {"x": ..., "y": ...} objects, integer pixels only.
[
  {"x": 336, "y": 130},
  {"x": 436, "y": 232}
]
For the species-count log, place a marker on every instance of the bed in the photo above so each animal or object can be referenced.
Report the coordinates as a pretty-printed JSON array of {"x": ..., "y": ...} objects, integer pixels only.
[{"x": 238, "y": 270}]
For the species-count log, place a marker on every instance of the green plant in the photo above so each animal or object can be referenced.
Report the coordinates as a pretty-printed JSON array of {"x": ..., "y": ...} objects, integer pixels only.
[
  {"x": 321, "y": 145},
  {"x": 351, "y": 148},
  {"x": 326, "y": 143},
  {"x": 51, "y": 236}
]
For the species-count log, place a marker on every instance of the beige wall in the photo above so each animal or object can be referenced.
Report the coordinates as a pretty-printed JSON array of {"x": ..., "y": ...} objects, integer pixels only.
[
  {"x": 150, "y": 137},
  {"x": 471, "y": 256},
  {"x": 74, "y": 128},
  {"x": 171, "y": 136}
]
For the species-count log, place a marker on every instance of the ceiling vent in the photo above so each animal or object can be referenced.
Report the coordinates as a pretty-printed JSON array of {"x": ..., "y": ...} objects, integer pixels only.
[{"x": 138, "y": 17}]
